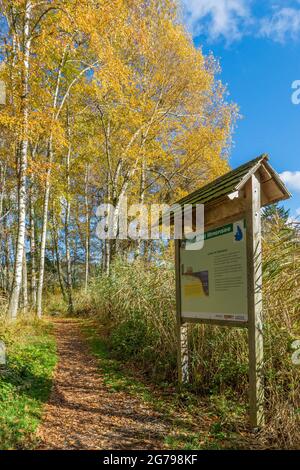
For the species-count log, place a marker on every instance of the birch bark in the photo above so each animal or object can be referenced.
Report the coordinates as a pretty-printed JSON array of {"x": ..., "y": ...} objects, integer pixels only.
[{"x": 22, "y": 167}]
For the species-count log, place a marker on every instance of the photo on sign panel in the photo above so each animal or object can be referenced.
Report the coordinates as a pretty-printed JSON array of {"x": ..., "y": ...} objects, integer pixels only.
[{"x": 197, "y": 285}]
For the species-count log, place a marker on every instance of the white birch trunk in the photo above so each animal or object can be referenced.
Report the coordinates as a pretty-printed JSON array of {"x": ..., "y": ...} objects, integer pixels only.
[
  {"x": 87, "y": 230},
  {"x": 43, "y": 241},
  {"x": 67, "y": 238},
  {"x": 32, "y": 252},
  {"x": 25, "y": 284},
  {"x": 17, "y": 278}
]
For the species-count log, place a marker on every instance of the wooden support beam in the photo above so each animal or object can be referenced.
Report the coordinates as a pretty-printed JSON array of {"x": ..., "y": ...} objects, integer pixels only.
[
  {"x": 255, "y": 320},
  {"x": 182, "y": 328}
]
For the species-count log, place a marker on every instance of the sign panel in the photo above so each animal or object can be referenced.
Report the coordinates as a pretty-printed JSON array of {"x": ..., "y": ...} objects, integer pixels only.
[{"x": 213, "y": 278}]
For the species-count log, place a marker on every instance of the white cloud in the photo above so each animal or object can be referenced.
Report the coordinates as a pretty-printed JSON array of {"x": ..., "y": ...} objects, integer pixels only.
[
  {"x": 216, "y": 18},
  {"x": 291, "y": 179},
  {"x": 282, "y": 25},
  {"x": 232, "y": 19}
]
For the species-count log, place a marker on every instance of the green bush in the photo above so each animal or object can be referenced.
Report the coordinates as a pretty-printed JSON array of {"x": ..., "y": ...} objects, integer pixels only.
[
  {"x": 130, "y": 338},
  {"x": 25, "y": 381}
]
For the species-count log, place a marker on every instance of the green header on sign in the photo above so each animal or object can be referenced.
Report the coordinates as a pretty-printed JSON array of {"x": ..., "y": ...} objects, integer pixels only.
[{"x": 218, "y": 232}]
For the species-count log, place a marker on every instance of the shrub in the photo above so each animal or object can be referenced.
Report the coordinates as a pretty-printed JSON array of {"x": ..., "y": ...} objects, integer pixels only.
[{"x": 25, "y": 381}]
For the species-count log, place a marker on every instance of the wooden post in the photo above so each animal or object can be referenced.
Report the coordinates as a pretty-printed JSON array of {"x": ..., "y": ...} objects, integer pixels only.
[
  {"x": 182, "y": 329},
  {"x": 255, "y": 331}
]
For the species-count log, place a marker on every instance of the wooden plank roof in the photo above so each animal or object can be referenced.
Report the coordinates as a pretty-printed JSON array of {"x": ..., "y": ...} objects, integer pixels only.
[{"x": 236, "y": 179}]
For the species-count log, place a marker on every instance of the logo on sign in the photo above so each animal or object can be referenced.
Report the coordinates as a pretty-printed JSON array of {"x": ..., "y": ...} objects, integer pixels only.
[
  {"x": 238, "y": 234},
  {"x": 238, "y": 231}
]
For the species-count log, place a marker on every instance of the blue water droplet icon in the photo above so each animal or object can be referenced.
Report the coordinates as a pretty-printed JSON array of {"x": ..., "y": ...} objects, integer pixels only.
[{"x": 239, "y": 234}]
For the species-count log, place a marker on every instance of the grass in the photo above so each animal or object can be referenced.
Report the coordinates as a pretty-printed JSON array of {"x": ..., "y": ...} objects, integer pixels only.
[
  {"x": 194, "y": 422},
  {"x": 25, "y": 381}
]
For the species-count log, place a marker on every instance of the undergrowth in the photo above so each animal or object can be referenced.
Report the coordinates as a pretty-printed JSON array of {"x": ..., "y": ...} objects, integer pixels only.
[
  {"x": 192, "y": 422},
  {"x": 25, "y": 380}
]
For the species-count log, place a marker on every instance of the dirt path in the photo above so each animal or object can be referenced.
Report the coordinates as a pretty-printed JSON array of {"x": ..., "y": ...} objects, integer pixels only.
[{"x": 83, "y": 414}]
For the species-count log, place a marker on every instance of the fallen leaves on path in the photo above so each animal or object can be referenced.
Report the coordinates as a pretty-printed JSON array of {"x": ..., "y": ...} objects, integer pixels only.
[{"x": 83, "y": 413}]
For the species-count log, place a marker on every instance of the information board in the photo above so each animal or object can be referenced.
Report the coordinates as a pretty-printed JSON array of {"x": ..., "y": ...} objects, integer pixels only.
[{"x": 213, "y": 279}]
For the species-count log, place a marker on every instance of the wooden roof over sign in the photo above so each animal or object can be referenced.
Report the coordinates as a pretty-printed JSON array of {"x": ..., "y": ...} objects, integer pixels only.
[{"x": 272, "y": 187}]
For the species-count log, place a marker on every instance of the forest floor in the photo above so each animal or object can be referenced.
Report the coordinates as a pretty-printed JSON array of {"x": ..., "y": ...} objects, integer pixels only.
[{"x": 84, "y": 413}]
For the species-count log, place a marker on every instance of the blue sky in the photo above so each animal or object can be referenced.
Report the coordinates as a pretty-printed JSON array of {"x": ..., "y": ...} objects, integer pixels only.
[{"x": 258, "y": 45}]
